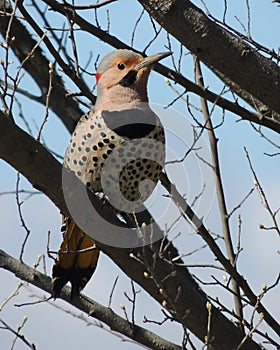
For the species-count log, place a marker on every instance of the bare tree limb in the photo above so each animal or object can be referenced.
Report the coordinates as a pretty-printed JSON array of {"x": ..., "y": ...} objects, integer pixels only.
[
  {"x": 68, "y": 69},
  {"x": 219, "y": 188},
  {"x": 63, "y": 105},
  {"x": 203, "y": 232},
  {"x": 88, "y": 7},
  {"x": 38, "y": 67},
  {"x": 18, "y": 334},
  {"x": 170, "y": 285},
  {"x": 87, "y": 305},
  {"x": 149, "y": 269},
  {"x": 234, "y": 58},
  {"x": 169, "y": 73}
]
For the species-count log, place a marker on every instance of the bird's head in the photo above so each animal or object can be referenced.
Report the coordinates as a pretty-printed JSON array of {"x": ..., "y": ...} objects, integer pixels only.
[{"x": 122, "y": 76}]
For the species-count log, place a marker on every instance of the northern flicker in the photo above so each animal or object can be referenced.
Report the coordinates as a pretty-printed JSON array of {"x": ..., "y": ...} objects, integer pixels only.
[{"x": 121, "y": 117}]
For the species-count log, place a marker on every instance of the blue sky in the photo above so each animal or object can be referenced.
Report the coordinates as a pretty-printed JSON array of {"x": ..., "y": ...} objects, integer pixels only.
[{"x": 49, "y": 327}]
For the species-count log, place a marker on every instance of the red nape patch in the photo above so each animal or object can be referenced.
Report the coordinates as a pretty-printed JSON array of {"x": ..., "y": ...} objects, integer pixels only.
[{"x": 97, "y": 77}]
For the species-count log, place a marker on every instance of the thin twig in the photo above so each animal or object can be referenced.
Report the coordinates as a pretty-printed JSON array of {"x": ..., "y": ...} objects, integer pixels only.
[
  {"x": 241, "y": 202},
  {"x": 88, "y": 7},
  {"x": 85, "y": 304},
  {"x": 259, "y": 131},
  {"x": 246, "y": 324},
  {"x": 112, "y": 291},
  {"x": 47, "y": 100},
  {"x": 68, "y": 70},
  {"x": 23, "y": 224},
  {"x": 247, "y": 39},
  {"x": 135, "y": 27},
  {"x": 249, "y": 334},
  {"x": 73, "y": 43},
  {"x": 263, "y": 197},
  {"x": 208, "y": 333},
  {"x": 180, "y": 79},
  {"x": 198, "y": 225},
  {"x": 156, "y": 34},
  {"x": 248, "y": 20},
  {"x": 12, "y": 295},
  {"x": 18, "y": 335},
  {"x": 219, "y": 187}
]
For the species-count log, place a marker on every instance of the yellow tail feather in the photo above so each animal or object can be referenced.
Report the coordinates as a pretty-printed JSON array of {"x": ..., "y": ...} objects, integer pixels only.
[{"x": 77, "y": 260}]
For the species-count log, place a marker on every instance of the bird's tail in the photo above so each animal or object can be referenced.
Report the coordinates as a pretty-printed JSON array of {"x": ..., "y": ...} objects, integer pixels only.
[{"x": 76, "y": 261}]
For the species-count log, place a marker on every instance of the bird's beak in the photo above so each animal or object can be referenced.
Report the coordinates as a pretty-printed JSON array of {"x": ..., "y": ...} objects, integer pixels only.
[{"x": 150, "y": 60}]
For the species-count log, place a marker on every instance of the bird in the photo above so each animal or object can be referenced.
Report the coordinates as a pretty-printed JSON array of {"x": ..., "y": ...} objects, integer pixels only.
[{"x": 121, "y": 128}]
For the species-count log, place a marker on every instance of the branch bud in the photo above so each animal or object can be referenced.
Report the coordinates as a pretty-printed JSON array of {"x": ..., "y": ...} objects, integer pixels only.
[
  {"x": 208, "y": 306},
  {"x": 162, "y": 292},
  {"x": 225, "y": 278}
]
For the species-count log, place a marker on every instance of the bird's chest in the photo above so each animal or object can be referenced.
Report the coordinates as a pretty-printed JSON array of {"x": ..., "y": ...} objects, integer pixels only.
[
  {"x": 126, "y": 170},
  {"x": 91, "y": 144}
]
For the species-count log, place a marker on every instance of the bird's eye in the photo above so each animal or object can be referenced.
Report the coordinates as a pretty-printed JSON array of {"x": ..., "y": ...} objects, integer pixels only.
[{"x": 121, "y": 66}]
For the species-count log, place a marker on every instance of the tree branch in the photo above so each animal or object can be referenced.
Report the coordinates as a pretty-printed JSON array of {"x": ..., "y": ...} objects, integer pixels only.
[
  {"x": 167, "y": 72},
  {"x": 203, "y": 232},
  {"x": 219, "y": 188},
  {"x": 219, "y": 48},
  {"x": 38, "y": 67},
  {"x": 178, "y": 292},
  {"x": 87, "y": 305}
]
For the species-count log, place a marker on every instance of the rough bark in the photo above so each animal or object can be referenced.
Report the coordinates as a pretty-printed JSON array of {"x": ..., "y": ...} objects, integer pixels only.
[
  {"x": 87, "y": 305},
  {"x": 38, "y": 68},
  {"x": 28, "y": 156},
  {"x": 218, "y": 48},
  {"x": 67, "y": 109},
  {"x": 178, "y": 292}
]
